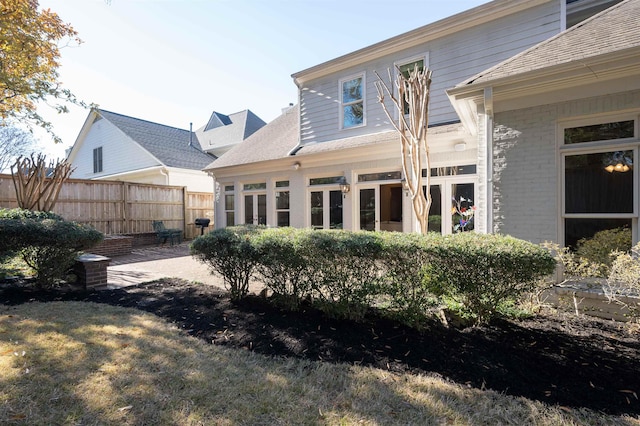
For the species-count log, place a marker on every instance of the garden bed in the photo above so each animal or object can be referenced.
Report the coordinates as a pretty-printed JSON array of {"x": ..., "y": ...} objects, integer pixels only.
[{"x": 555, "y": 358}]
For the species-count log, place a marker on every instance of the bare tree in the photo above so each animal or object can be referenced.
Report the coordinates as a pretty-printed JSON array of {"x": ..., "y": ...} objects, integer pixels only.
[
  {"x": 412, "y": 105},
  {"x": 38, "y": 184},
  {"x": 14, "y": 142}
]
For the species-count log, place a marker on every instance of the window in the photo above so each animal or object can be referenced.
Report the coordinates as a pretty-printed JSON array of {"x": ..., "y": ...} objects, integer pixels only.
[
  {"x": 599, "y": 183},
  {"x": 282, "y": 203},
  {"x": 229, "y": 205},
  {"x": 97, "y": 160},
  {"x": 407, "y": 66},
  {"x": 352, "y": 101},
  {"x": 254, "y": 186},
  {"x": 370, "y": 177}
]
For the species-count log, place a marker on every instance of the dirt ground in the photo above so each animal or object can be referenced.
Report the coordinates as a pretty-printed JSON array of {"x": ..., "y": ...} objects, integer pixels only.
[{"x": 555, "y": 358}]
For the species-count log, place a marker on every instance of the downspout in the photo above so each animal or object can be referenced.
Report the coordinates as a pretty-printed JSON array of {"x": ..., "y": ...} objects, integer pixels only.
[
  {"x": 298, "y": 146},
  {"x": 165, "y": 173},
  {"x": 488, "y": 136}
]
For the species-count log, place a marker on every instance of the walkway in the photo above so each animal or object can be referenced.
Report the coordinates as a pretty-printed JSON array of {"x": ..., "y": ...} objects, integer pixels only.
[{"x": 155, "y": 262}]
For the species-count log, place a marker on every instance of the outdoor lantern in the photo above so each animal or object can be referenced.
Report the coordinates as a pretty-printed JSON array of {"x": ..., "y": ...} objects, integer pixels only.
[
  {"x": 405, "y": 186},
  {"x": 344, "y": 185}
]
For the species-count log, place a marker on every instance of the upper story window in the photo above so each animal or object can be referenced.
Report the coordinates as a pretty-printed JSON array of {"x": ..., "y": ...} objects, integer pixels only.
[
  {"x": 97, "y": 160},
  {"x": 352, "y": 101},
  {"x": 407, "y": 66}
]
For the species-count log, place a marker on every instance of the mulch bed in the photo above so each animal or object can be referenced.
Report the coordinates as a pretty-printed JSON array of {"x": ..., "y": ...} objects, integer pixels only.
[{"x": 555, "y": 358}]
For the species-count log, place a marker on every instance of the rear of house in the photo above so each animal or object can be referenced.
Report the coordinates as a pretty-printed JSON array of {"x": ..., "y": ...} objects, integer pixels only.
[{"x": 333, "y": 161}]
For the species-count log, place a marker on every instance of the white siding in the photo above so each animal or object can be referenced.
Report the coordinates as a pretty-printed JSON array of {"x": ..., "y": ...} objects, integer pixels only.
[
  {"x": 119, "y": 153},
  {"x": 452, "y": 59},
  {"x": 194, "y": 180}
]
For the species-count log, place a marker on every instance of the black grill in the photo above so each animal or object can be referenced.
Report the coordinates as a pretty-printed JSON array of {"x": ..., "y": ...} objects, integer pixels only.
[{"x": 202, "y": 222}]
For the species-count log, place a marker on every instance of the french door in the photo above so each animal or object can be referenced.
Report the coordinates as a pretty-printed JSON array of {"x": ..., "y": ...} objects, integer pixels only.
[
  {"x": 452, "y": 205},
  {"x": 380, "y": 207},
  {"x": 255, "y": 209},
  {"x": 326, "y": 209}
]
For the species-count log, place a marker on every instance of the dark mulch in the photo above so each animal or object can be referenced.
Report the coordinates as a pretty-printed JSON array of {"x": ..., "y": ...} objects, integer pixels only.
[{"x": 557, "y": 359}]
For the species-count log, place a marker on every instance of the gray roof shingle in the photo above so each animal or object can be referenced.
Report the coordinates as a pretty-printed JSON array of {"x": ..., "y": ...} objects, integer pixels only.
[
  {"x": 270, "y": 142},
  {"x": 226, "y": 130},
  {"x": 169, "y": 145},
  {"x": 615, "y": 29}
]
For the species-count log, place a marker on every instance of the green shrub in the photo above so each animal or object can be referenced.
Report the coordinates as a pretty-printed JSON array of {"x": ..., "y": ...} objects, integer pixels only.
[
  {"x": 230, "y": 253},
  {"x": 407, "y": 266},
  {"x": 481, "y": 272},
  {"x": 46, "y": 242},
  {"x": 598, "y": 249},
  {"x": 282, "y": 265},
  {"x": 343, "y": 272}
]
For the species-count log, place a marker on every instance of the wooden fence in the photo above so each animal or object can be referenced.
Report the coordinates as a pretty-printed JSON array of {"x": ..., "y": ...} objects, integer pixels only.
[{"x": 117, "y": 208}]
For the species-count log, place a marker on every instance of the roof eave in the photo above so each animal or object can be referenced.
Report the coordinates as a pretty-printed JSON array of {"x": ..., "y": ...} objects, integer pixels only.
[
  {"x": 600, "y": 69},
  {"x": 468, "y": 19}
]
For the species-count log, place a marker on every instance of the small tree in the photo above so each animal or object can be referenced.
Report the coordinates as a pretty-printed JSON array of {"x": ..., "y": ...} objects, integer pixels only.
[
  {"x": 30, "y": 41},
  {"x": 38, "y": 184},
  {"x": 412, "y": 105}
]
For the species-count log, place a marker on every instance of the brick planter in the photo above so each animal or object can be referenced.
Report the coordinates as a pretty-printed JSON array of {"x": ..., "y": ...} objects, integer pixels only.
[{"x": 91, "y": 270}]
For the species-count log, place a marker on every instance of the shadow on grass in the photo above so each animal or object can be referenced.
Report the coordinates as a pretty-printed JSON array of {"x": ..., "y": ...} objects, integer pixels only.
[{"x": 83, "y": 363}]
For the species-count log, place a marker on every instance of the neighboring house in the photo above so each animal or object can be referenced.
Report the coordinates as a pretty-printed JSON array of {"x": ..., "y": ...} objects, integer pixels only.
[
  {"x": 334, "y": 160},
  {"x": 113, "y": 146},
  {"x": 222, "y": 132}
]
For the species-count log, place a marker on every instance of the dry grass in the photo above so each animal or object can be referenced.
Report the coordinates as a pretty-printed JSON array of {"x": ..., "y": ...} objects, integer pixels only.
[{"x": 83, "y": 363}]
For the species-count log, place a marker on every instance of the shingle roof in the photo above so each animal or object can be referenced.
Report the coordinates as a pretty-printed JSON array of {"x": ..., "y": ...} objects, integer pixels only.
[
  {"x": 168, "y": 144},
  {"x": 225, "y": 130},
  {"x": 612, "y": 30},
  {"x": 271, "y": 142},
  {"x": 277, "y": 139}
]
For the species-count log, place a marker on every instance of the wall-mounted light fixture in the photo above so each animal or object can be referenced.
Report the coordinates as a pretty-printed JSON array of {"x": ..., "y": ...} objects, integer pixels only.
[
  {"x": 405, "y": 186},
  {"x": 295, "y": 166},
  {"x": 344, "y": 186},
  {"x": 460, "y": 146}
]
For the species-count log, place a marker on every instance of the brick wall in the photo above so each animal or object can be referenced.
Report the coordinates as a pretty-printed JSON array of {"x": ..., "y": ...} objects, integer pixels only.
[
  {"x": 526, "y": 163},
  {"x": 114, "y": 245}
]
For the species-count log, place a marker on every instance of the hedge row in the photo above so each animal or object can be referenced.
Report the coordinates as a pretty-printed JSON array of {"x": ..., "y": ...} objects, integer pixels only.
[
  {"x": 344, "y": 273},
  {"x": 45, "y": 241}
]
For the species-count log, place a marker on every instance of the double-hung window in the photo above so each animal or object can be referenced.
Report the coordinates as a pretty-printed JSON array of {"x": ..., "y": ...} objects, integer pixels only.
[
  {"x": 97, "y": 160},
  {"x": 407, "y": 66},
  {"x": 599, "y": 177},
  {"x": 282, "y": 202},
  {"x": 229, "y": 205},
  {"x": 352, "y": 91}
]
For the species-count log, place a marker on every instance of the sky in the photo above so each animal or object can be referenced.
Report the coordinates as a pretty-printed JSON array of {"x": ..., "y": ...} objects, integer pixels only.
[{"x": 175, "y": 62}]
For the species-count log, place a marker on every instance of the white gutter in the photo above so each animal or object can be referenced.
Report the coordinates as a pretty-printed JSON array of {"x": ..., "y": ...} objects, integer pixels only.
[{"x": 488, "y": 128}]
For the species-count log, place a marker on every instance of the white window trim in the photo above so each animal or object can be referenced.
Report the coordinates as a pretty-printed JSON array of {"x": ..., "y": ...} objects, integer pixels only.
[
  {"x": 277, "y": 189},
  {"x": 424, "y": 56},
  {"x": 364, "y": 101},
  {"x": 224, "y": 202},
  {"x": 625, "y": 144}
]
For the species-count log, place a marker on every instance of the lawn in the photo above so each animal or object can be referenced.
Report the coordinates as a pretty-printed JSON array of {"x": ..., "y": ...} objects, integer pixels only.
[{"x": 195, "y": 358}]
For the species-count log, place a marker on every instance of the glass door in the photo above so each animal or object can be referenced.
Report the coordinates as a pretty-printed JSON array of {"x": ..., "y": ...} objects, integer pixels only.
[
  {"x": 326, "y": 209},
  {"x": 452, "y": 206},
  {"x": 369, "y": 213},
  {"x": 255, "y": 209}
]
